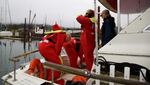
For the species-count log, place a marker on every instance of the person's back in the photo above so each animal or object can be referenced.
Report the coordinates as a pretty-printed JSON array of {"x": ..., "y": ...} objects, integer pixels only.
[
  {"x": 73, "y": 50},
  {"x": 108, "y": 27},
  {"x": 50, "y": 48},
  {"x": 87, "y": 36}
]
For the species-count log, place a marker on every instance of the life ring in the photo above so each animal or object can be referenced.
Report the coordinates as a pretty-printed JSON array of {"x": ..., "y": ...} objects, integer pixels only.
[{"x": 36, "y": 68}]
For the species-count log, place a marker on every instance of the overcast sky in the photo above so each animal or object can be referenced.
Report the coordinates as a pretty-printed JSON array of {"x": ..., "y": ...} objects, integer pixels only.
[{"x": 64, "y": 12}]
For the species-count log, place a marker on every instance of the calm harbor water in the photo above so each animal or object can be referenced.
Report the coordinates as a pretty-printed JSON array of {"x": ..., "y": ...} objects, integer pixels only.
[{"x": 11, "y": 48}]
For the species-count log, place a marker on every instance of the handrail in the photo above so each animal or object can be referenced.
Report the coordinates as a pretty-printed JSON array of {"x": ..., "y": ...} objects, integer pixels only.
[
  {"x": 124, "y": 54},
  {"x": 16, "y": 58},
  {"x": 76, "y": 71},
  {"x": 85, "y": 73}
]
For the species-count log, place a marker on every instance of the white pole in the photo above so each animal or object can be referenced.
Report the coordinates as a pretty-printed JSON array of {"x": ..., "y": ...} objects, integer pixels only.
[
  {"x": 142, "y": 79},
  {"x": 112, "y": 73},
  {"x": 127, "y": 73},
  {"x": 96, "y": 38},
  {"x": 118, "y": 15},
  {"x": 128, "y": 19},
  {"x": 96, "y": 48}
]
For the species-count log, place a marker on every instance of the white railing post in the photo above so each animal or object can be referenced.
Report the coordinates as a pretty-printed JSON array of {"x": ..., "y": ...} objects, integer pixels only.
[
  {"x": 126, "y": 73},
  {"x": 142, "y": 74},
  {"x": 112, "y": 73},
  {"x": 98, "y": 71}
]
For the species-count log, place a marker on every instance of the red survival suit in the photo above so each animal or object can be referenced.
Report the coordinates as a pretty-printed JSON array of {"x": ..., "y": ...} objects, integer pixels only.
[
  {"x": 50, "y": 48},
  {"x": 36, "y": 64},
  {"x": 87, "y": 39},
  {"x": 72, "y": 47}
]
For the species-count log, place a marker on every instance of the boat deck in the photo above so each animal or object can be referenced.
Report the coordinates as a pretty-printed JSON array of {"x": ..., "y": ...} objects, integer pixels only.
[{"x": 22, "y": 78}]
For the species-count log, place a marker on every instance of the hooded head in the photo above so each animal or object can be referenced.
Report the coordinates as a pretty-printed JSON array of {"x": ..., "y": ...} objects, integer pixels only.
[
  {"x": 90, "y": 13},
  {"x": 105, "y": 14},
  {"x": 56, "y": 27}
]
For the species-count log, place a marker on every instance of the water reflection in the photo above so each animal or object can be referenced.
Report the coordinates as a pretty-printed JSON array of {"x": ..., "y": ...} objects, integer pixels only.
[{"x": 11, "y": 48}]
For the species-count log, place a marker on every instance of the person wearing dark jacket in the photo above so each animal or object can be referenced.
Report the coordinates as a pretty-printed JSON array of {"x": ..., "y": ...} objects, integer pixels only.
[{"x": 108, "y": 28}]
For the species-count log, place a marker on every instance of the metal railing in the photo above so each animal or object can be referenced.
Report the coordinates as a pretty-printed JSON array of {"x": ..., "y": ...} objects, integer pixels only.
[
  {"x": 88, "y": 74},
  {"x": 17, "y": 58},
  {"x": 80, "y": 72}
]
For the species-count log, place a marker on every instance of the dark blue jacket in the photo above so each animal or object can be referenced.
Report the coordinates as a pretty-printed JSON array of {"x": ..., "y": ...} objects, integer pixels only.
[{"x": 108, "y": 30}]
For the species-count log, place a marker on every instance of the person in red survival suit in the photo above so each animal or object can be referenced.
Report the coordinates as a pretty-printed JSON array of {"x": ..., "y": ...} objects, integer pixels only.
[
  {"x": 72, "y": 48},
  {"x": 87, "y": 36},
  {"x": 50, "y": 48}
]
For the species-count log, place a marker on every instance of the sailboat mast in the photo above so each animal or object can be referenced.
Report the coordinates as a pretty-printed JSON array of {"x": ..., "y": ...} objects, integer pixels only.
[
  {"x": 5, "y": 16},
  {"x": 29, "y": 17},
  {"x": 9, "y": 12},
  {"x": 33, "y": 19},
  {"x": 1, "y": 19},
  {"x": 5, "y": 12},
  {"x": 29, "y": 26}
]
